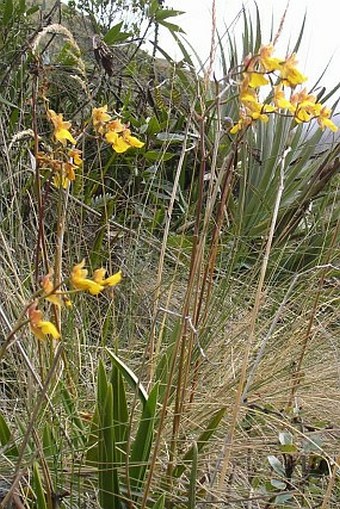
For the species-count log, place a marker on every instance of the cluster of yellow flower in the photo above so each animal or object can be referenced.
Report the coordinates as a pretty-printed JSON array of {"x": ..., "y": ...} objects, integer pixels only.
[
  {"x": 65, "y": 165},
  {"x": 261, "y": 70},
  {"x": 64, "y": 162},
  {"x": 115, "y": 133},
  {"x": 78, "y": 278}
]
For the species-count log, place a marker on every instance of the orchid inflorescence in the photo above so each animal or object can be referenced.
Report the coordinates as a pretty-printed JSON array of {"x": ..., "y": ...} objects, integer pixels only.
[
  {"x": 264, "y": 69},
  {"x": 80, "y": 282},
  {"x": 65, "y": 161},
  {"x": 115, "y": 132}
]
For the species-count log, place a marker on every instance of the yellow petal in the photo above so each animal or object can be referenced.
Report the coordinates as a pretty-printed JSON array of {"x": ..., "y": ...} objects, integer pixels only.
[
  {"x": 257, "y": 80},
  {"x": 37, "y": 332},
  {"x": 326, "y": 122},
  {"x": 62, "y": 135},
  {"x": 99, "y": 275},
  {"x": 87, "y": 285},
  {"x": 100, "y": 116},
  {"x": 120, "y": 145},
  {"x": 134, "y": 142},
  {"x": 48, "y": 328},
  {"x": 78, "y": 270},
  {"x": 111, "y": 137},
  {"x": 114, "y": 279}
]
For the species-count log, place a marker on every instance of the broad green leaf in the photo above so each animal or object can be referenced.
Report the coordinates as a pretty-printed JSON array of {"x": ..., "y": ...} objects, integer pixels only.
[
  {"x": 49, "y": 441},
  {"x": 129, "y": 376},
  {"x": 154, "y": 155},
  {"x": 285, "y": 438},
  {"x": 115, "y": 34},
  {"x": 5, "y": 438},
  {"x": 120, "y": 412},
  {"x": 38, "y": 488},
  {"x": 282, "y": 499},
  {"x": 162, "y": 14},
  {"x": 102, "y": 384},
  {"x": 276, "y": 465},
  {"x": 140, "y": 453},
  {"x": 108, "y": 483},
  {"x": 8, "y": 12},
  {"x": 172, "y": 27},
  {"x": 160, "y": 504},
  {"x": 279, "y": 485}
]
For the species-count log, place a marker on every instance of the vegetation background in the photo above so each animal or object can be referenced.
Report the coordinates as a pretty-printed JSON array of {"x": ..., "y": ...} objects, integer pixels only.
[{"x": 210, "y": 376}]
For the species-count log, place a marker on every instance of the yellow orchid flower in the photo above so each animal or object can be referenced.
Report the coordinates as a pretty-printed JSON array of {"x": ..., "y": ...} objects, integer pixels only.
[
  {"x": 50, "y": 294},
  {"x": 268, "y": 62},
  {"x": 75, "y": 155},
  {"x": 64, "y": 176},
  {"x": 324, "y": 120},
  {"x": 41, "y": 328},
  {"x": 117, "y": 142},
  {"x": 99, "y": 277},
  {"x": 132, "y": 140},
  {"x": 290, "y": 75},
  {"x": 100, "y": 117},
  {"x": 116, "y": 126},
  {"x": 61, "y": 128},
  {"x": 81, "y": 282},
  {"x": 257, "y": 79},
  {"x": 121, "y": 143},
  {"x": 280, "y": 100}
]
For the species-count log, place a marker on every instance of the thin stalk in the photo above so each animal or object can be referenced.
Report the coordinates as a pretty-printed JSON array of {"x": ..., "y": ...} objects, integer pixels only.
[
  {"x": 258, "y": 297},
  {"x": 154, "y": 350},
  {"x": 30, "y": 427},
  {"x": 297, "y": 375}
]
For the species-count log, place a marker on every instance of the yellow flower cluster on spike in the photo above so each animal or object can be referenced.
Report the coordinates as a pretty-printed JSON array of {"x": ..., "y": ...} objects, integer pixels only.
[
  {"x": 117, "y": 134},
  {"x": 80, "y": 281},
  {"x": 63, "y": 170},
  {"x": 259, "y": 71},
  {"x": 40, "y": 327},
  {"x": 61, "y": 128}
]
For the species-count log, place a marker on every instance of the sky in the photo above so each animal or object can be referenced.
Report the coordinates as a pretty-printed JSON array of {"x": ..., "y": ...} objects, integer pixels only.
[{"x": 321, "y": 42}]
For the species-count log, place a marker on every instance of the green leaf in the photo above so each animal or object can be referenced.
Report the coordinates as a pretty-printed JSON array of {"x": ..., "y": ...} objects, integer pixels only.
[
  {"x": 49, "y": 441},
  {"x": 153, "y": 8},
  {"x": 32, "y": 10},
  {"x": 115, "y": 35},
  {"x": 160, "y": 503},
  {"x": 279, "y": 485},
  {"x": 276, "y": 465},
  {"x": 285, "y": 438},
  {"x": 203, "y": 439},
  {"x": 108, "y": 483},
  {"x": 288, "y": 449},
  {"x": 155, "y": 155},
  {"x": 7, "y": 103},
  {"x": 120, "y": 412},
  {"x": 129, "y": 376},
  {"x": 8, "y": 12},
  {"x": 193, "y": 478},
  {"x": 162, "y": 14},
  {"x": 5, "y": 438},
  {"x": 141, "y": 448},
  {"x": 40, "y": 502},
  {"x": 282, "y": 499},
  {"x": 102, "y": 384},
  {"x": 172, "y": 27}
]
